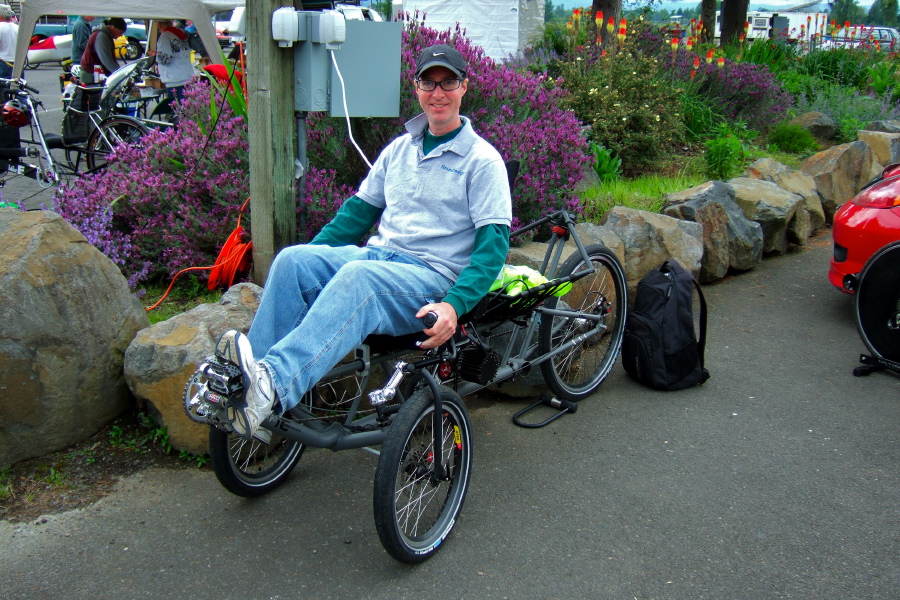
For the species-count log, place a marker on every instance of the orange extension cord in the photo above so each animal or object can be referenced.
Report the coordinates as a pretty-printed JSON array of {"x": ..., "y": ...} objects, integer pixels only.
[{"x": 234, "y": 258}]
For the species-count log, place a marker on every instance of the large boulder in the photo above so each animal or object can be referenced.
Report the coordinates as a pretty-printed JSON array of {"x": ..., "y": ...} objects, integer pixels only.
[
  {"x": 840, "y": 172},
  {"x": 885, "y": 146},
  {"x": 779, "y": 212},
  {"x": 793, "y": 181},
  {"x": 819, "y": 124},
  {"x": 162, "y": 357},
  {"x": 651, "y": 238},
  {"x": 730, "y": 240},
  {"x": 66, "y": 318}
]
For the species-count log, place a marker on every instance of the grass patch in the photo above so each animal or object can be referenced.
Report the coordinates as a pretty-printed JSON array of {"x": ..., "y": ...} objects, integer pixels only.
[
  {"x": 646, "y": 192},
  {"x": 185, "y": 295}
]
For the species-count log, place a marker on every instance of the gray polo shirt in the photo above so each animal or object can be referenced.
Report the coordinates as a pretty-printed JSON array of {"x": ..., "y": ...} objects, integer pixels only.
[{"x": 433, "y": 204}]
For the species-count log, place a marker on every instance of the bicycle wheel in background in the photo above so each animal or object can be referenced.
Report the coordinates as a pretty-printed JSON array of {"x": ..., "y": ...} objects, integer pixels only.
[
  {"x": 413, "y": 512},
  {"x": 578, "y": 372},
  {"x": 877, "y": 303},
  {"x": 112, "y": 132}
]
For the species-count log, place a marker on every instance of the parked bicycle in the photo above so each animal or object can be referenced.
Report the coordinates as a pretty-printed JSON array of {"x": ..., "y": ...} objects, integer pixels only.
[
  {"x": 571, "y": 327},
  {"x": 93, "y": 125}
]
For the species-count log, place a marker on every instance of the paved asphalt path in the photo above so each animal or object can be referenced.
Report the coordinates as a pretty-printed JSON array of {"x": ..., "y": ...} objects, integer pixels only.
[{"x": 776, "y": 479}]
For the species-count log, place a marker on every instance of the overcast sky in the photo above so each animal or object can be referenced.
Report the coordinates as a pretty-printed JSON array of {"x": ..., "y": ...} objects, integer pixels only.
[{"x": 569, "y": 4}]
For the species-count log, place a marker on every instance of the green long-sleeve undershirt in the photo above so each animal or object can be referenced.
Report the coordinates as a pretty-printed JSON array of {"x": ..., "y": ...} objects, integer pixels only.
[{"x": 357, "y": 217}]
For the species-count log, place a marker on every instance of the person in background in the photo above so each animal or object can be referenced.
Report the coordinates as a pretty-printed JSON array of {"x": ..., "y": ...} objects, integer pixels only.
[
  {"x": 9, "y": 33},
  {"x": 100, "y": 49},
  {"x": 173, "y": 57},
  {"x": 81, "y": 33}
]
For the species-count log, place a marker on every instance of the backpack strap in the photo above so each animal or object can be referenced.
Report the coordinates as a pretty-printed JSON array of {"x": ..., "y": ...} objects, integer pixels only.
[{"x": 701, "y": 343}]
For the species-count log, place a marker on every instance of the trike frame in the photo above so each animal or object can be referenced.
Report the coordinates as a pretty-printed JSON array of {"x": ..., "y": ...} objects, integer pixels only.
[{"x": 544, "y": 325}]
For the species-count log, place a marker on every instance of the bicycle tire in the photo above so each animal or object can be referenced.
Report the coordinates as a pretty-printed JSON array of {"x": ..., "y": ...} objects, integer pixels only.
[
  {"x": 877, "y": 303},
  {"x": 576, "y": 374},
  {"x": 113, "y": 130},
  {"x": 251, "y": 468},
  {"x": 413, "y": 514}
]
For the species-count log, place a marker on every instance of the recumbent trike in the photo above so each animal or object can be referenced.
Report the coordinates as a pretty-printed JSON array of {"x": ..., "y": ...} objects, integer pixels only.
[{"x": 571, "y": 327}]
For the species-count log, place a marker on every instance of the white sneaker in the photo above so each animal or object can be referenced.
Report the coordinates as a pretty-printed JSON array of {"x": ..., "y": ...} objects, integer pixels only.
[{"x": 259, "y": 391}]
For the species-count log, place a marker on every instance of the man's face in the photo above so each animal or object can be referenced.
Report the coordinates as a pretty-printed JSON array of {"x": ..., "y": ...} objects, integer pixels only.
[{"x": 441, "y": 106}]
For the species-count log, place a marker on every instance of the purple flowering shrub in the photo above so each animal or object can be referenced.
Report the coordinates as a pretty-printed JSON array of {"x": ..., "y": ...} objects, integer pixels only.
[
  {"x": 518, "y": 113},
  {"x": 739, "y": 90},
  {"x": 170, "y": 204}
]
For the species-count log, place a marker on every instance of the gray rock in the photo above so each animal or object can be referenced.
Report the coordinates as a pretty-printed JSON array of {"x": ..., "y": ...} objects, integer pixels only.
[
  {"x": 532, "y": 254},
  {"x": 163, "y": 356},
  {"x": 650, "y": 239},
  {"x": 885, "y": 126},
  {"x": 730, "y": 240},
  {"x": 793, "y": 181},
  {"x": 885, "y": 146},
  {"x": 66, "y": 318},
  {"x": 820, "y": 125},
  {"x": 840, "y": 172},
  {"x": 773, "y": 208}
]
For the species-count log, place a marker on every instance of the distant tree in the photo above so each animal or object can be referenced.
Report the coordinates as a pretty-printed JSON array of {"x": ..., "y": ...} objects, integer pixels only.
[
  {"x": 610, "y": 8},
  {"x": 883, "y": 12},
  {"x": 734, "y": 15},
  {"x": 846, "y": 10},
  {"x": 555, "y": 13},
  {"x": 708, "y": 16}
]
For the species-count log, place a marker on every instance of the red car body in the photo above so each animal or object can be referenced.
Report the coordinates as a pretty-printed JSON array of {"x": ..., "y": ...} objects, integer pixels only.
[{"x": 870, "y": 221}]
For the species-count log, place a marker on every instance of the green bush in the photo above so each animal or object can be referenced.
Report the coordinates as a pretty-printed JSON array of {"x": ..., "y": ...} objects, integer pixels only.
[
  {"x": 627, "y": 106},
  {"x": 792, "y": 138},
  {"x": 848, "y": 107},
  {"x": 840, "y": 66},
  {"x": 607, "y": 166},
  {"x": 723, "y": 156},
  {"x": 700, "y": 113},
  {"x": 777, "y": 55}
]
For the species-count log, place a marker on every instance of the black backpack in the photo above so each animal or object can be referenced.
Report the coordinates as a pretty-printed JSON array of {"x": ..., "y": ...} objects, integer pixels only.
[{"x": 660, "y": 349}]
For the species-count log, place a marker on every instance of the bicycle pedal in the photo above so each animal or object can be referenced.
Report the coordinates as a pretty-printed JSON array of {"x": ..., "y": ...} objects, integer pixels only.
[{"x": 211, "y": 391}]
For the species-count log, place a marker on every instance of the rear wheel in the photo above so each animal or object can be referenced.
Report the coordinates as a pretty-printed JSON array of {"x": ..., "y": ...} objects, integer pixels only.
[
  {"x": 112, "y": 132},
  {"x": 878, "y": 303},
  {"x": 577, "y": 372},
  {"x": 414, "y": 511}
]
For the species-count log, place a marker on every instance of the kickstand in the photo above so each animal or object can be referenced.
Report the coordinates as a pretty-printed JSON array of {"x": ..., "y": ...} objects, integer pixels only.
[
  {"x": 874, "y": 363},
  {"x": 563, "y": 406}
]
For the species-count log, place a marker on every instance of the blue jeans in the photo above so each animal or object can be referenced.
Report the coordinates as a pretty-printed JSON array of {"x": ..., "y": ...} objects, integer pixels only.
[
  {"x": 319, "y": 303},
  {"x": 6, "y": 69}
]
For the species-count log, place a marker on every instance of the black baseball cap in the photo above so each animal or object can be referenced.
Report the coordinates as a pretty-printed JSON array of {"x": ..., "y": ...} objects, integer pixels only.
[
  {"x": 441, "y": 55},
  {"x": 117, "y": 22}
]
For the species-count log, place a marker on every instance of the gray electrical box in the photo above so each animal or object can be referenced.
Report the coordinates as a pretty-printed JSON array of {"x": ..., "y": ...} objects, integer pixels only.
[{"x": 369, "y": 61}]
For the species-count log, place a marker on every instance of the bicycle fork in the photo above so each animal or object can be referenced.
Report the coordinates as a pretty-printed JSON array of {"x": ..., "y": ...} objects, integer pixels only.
[{"x": 387, "y": 393}]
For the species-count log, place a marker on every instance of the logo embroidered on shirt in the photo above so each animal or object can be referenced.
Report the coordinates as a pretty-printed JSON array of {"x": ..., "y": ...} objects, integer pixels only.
[{"x": 446, "y": 168}]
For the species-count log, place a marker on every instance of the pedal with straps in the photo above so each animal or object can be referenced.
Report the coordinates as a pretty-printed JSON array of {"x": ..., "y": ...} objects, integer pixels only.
[{"x": 215, "y": 387}]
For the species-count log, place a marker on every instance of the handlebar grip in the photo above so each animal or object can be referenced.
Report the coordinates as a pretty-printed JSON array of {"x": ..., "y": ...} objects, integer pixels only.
[
  {"x": 28, "y": 88},
  {"x": 430, "y": 319}
]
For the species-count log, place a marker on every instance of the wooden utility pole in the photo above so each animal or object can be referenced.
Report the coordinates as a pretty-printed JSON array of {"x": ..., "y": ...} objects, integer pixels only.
[{"x": 270, "y": 92}]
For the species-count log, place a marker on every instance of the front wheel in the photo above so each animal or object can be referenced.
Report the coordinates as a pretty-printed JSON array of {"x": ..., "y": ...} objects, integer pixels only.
[
  {"x": 414, "y": 510},
  {"x": 577, "y": 372},
  {"x": 250, "y": 468},
  {"x": 114, "y": 131},
  {"x": 878, "y": 303}
]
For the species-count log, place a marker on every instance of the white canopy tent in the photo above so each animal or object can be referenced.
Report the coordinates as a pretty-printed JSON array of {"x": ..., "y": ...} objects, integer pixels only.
[{"x": 198, "y": 11}]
